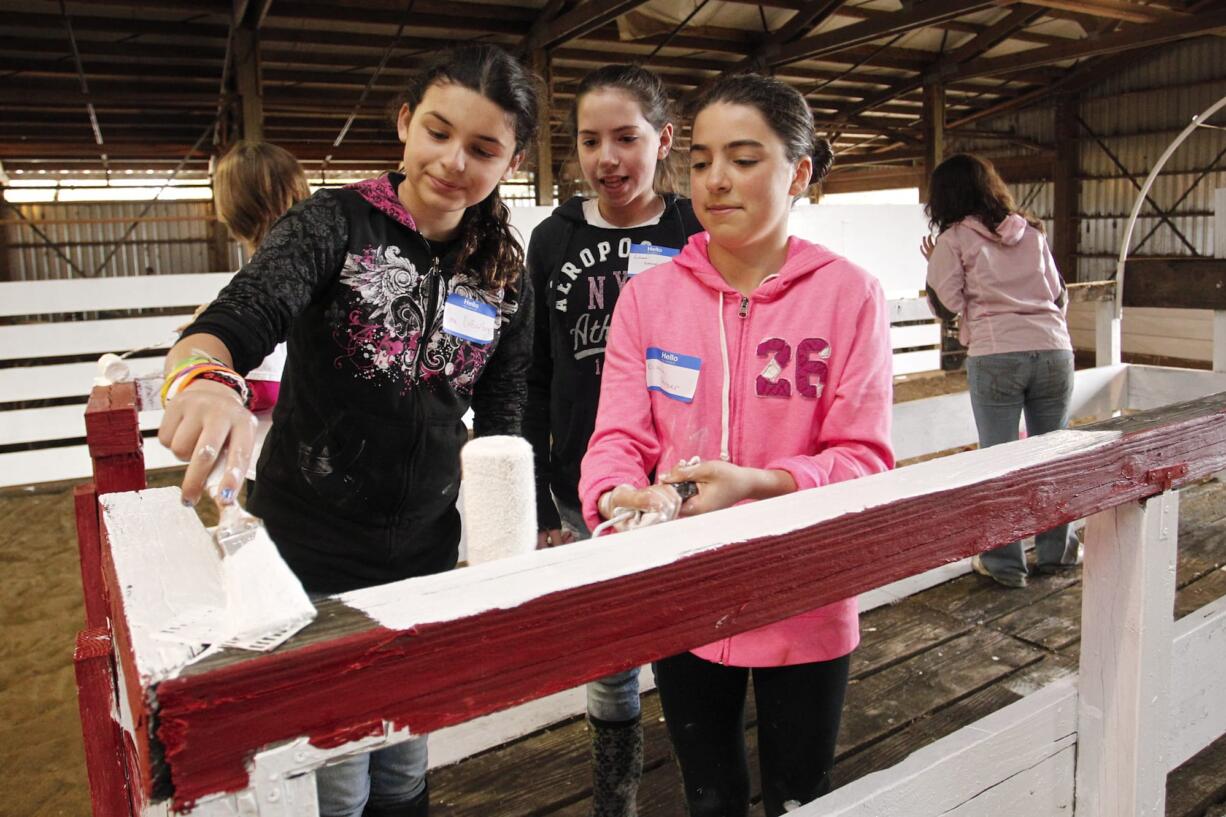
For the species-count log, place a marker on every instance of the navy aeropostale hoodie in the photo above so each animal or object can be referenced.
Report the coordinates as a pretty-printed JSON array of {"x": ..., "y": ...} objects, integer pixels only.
[{"x": 577, "y": 271}]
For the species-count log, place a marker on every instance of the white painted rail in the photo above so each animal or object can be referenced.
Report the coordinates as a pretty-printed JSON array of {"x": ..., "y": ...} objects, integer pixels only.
[
  {"x": 1109, "y": 732},
  {"x": 44, "y": 340}
]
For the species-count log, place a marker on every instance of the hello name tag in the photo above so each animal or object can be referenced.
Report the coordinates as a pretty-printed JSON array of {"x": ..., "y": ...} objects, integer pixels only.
[
  {"x": 645, "y": 256},
  {"x": 673, "y": 375},
  {"x": 470, "y": 319}
]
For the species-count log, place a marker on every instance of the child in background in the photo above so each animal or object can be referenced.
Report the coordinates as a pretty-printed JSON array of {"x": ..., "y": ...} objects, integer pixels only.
[
  {"x": 579, "y": 260},
  {"x": 253, "y": 185},
  {"x": 404, "y": 302},
  {"x": 991, "y": 264},
  {"x": 768, "y": 359}
]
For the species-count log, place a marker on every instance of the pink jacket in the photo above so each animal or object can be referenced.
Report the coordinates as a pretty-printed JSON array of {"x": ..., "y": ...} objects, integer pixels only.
[
  {"x": 1003, "y": 283},
  {"x": 808, "y": 360}
]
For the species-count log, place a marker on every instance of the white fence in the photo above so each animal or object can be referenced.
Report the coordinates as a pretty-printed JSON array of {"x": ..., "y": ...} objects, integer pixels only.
[{"x": 42, "y": 400}]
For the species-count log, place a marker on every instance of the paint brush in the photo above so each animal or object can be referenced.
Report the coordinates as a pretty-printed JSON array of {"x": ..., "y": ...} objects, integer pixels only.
[{"x": 264, "y": 602}]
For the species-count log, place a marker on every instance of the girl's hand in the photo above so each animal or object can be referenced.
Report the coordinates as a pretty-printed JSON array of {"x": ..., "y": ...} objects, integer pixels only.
[
  {"x": 553, "y": 537},
  {"x": 722, "y": 484},
  {"x": 205, "y": 418},
  {"x": 660, "y": 499},
  {"x": 927, "y": 245}
]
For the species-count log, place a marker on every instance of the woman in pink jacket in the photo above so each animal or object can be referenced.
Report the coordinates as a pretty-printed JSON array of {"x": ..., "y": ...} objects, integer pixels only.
[
  {"x": 990, "y": 265},
  {"x": 767, "y": 359}
]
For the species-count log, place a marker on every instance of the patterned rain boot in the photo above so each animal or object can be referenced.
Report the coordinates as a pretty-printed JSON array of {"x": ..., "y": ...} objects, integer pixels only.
[{"x": 617, "y": 767}]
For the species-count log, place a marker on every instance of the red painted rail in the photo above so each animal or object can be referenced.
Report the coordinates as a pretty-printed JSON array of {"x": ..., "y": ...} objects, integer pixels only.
[{"x": 344, "y": 678}]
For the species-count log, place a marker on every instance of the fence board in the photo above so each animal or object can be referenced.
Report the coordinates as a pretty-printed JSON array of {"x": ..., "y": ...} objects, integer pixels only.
[
  {"x": 494, "y": 635},
  {"x": 1029, "y": 745},
  {"x": 96, "y": 294},
  {"x": 43, "y": 340},
  {"x": 1198, "y": 665}
]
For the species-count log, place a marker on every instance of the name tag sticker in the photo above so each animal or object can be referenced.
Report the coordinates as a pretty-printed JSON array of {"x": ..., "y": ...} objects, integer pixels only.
[
  {"x": 469, "y": 319},
  {"x": 673, "y": 375},
  {"x": 645, "y": 256}
]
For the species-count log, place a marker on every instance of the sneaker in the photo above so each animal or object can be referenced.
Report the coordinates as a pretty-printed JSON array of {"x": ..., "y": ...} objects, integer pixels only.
[{"x": 978, "y": 566}]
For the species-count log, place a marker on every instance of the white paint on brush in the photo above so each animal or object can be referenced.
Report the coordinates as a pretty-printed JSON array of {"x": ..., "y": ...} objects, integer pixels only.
[
  {"x": 499, "y": 498},
  {"x": 178, "y": 594},
  {"x": 514, "y": 581}
]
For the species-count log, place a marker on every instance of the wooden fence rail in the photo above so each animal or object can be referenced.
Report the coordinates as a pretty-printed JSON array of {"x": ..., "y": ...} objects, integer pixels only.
[{"x": 237, "y": 730}]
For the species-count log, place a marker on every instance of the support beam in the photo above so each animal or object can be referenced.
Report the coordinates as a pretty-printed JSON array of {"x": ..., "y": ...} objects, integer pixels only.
[
  {"x": 583, "y": 19},
  {"x": 1067, "y": 188},
  {"x": 947, "y": 67},
  {"x": 541, "y": 63},
  {"x": 1124, "y": 679},
  {"x": 1111, "y": 9},
  {"x": 857, "y": 34},
  {"x": 1147, "y": 36},
  {"x": 245, "y": 52},
  {"x": 934, "y": 133}
]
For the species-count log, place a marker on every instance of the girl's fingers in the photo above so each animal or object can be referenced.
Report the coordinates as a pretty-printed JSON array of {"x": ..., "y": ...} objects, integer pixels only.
[
  {"x": 203, "y": 457},
  {"x": 241, "y": 444},
  {"x": 186, "y": 435}
]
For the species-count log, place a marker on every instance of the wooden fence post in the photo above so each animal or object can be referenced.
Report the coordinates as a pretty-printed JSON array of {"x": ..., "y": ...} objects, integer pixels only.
[
  {"x": 112, "y": 431},
  {"x": 1123, "y": 684},
  {"x": 1107, "y": 343},
  {"x": 1219, "y": 340},
  {"x": 102, "y": 738}
]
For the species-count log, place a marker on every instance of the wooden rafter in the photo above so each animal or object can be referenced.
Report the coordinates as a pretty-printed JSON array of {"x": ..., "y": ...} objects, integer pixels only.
[
  {"x": 578, "y": 22},
  {"x": 833, "y": 42},
  {"x": 947, "y": 67},
  {"x": 1204, "y": 22},
  {"x": 1124, "y": 10}
]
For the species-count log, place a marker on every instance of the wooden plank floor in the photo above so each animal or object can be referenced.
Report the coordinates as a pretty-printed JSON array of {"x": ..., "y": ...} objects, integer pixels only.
[{"x": 926, "y": 667}]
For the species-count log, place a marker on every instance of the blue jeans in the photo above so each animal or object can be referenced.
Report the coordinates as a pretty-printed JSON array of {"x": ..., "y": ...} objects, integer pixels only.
[
  {"x": 1002, "y": 387},
  {"x": 613, "y": 698},
  {"x": 384, "y": 778}
]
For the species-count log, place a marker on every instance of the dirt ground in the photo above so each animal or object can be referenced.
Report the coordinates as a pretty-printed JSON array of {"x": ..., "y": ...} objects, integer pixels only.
[{"x": 40, "y": 614}]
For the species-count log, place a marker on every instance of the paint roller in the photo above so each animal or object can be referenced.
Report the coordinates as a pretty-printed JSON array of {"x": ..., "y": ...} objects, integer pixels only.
[{"x": 499, "y": 498}]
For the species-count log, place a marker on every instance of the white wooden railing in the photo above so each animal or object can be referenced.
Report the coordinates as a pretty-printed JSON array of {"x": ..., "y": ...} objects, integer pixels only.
[{"x": 48, "y": 354}]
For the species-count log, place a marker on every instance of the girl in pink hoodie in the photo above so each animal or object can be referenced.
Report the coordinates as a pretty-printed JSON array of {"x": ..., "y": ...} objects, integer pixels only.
[
  {"x": 767, "y": 359},
  {"x": 990, "y": 264}
]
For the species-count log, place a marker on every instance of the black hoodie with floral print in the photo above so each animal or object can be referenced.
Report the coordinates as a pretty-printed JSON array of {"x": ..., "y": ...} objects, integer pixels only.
[{"x": 389, "y": 346}]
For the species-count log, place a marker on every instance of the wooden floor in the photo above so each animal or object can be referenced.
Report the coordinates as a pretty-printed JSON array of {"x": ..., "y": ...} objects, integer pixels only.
[{"x": 926, "y": 667}]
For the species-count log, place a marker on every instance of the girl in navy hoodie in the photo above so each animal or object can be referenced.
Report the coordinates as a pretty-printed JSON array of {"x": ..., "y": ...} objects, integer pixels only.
[
  {"x": 579, "y": 259},
  {"x": 404, "y": 303}
]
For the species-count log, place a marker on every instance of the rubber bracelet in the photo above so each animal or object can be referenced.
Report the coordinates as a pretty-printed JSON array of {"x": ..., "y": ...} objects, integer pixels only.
[{"x": 232, "y": 380}]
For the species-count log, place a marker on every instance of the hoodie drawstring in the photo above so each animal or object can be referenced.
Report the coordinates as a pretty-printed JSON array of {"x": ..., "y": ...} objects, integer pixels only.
[{"x": 726, "y": 402}]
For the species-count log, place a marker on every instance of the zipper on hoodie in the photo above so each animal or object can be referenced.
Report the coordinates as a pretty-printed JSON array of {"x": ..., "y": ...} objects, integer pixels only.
[
  {"x": 743, "y": 311},
  {"x": 433, "y": 277}
]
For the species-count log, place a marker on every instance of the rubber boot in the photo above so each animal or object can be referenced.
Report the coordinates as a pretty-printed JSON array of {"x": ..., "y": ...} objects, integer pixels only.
[
  {"x": 419, "y": 806},
  {"x": 617, "y": 767}
]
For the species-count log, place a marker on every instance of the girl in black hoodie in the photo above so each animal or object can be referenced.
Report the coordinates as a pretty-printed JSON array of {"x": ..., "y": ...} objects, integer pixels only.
[
  {"x": 579, "y": 259},
  {"x": 404, "y": 303}
]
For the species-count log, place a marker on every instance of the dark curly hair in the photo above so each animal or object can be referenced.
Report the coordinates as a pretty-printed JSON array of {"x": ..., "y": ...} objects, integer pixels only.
[
  {"x": 783, "y": 108},
  {"x": 485, "y": 231},
  {"x": 968, "y": 185}
]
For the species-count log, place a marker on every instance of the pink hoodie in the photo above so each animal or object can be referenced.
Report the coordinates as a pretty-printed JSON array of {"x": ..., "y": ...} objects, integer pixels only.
[
  {"x": 796, "y": 376},
  {"x": 1004, "y": 284}
]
